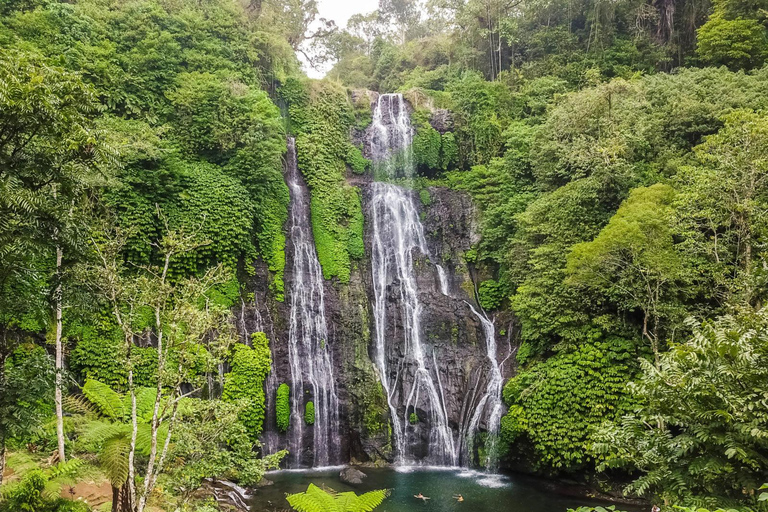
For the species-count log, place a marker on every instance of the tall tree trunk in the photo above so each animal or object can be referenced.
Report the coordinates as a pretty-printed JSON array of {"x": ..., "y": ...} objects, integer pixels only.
[
  {"x": 59, "y": 359},
  {"x": 2, "y": 458},
  {"x": 122, "y": 500}
]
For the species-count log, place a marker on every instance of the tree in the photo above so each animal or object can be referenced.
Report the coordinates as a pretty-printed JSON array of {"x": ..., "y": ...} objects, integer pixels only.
[
  {"x": 107, "y": 431},
  {"x": 634, "y": 261},
  {"x": 50, "y": 154},
  {"x": 722, "y": 209},
  {"x": 738, "y": 44},
  {"x": 27, "y": 381},
  {"x": 315, "y": 499},
  {"x": 210, "y": 441},
  {"x": 190, "y": 333},
  {"x": 734, "y": 35},
  {"x": 701, "y": 428}
]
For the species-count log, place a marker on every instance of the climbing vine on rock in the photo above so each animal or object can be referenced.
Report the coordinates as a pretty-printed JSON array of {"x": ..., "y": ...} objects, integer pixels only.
[
  {"x": 321, "y": 117},
  {"x": 245, "y": 383},
  {"x": 556, "y": 406},
  {"x": 283, "y": 407},
  {"x": 309, "y": 413}
]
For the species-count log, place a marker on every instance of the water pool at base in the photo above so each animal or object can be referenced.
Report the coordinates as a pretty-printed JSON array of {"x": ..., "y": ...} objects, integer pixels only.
[{"x": 482, "y": 492}]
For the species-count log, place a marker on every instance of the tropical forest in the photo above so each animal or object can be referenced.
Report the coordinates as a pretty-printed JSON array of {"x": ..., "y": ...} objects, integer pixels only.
[{"x": 393, "y": 255}]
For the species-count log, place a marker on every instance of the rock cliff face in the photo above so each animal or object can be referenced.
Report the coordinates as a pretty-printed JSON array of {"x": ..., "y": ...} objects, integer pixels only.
[{"x": 453, "y": 340}]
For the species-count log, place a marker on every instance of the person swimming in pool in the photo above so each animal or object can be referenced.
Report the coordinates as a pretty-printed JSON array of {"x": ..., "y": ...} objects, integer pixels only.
[
  {"x": 420, "y": 497},
  {"x": 459, "y": 498}
]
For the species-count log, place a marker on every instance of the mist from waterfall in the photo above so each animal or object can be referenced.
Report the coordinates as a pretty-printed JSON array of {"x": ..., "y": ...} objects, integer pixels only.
[
  {"x": 397, "y": 234},
  {"x": 309, "y": 353}
]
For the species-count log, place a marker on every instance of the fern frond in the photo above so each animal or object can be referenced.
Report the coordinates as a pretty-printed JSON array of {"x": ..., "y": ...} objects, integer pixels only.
[
  {"x": 145, "y": 403},
  {"x": 97, "y": 433},
  {"x": 78, "y": 404},
  {"x": 368, "y": 501},
  {"x": 114, "y": 459},
  {"x": 313, "y": 500},
  {"x": 108, "y": 401},
  {"x": 66, "y": 469}
]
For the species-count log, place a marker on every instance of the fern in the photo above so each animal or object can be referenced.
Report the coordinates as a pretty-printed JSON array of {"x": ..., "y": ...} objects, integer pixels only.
[
  {"x": 108, "y": 401},
  {"x": 98, "y": 432},
  {"x": 66, "y": 469},
  {"x": 114, "y": 459},
  {"x": 145, "y": 403},
  {"x": 316, "y": 499}
]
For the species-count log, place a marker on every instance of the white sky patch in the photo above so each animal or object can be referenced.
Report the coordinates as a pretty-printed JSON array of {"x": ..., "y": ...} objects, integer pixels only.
[{"x": 338, "y": 11}]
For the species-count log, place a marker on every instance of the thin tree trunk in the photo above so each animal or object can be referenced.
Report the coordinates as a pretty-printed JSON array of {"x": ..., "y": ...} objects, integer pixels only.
[
  {"x": 59, "y": 359},
  {"x": 2, "y": 458}
]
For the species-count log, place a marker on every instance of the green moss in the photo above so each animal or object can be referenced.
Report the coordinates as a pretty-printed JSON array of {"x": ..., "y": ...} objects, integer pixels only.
[
  {"x": 413, "y": 418},
  {"x": 283, "y": 407},
  {"x": 309, "y": 413}
]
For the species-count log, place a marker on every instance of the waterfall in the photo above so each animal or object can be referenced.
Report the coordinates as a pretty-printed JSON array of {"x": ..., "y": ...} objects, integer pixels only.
[
  {"x": 491, "y": 399},
  {"x": 397, "y": 233},
  {"x": 309, "y": 352}
]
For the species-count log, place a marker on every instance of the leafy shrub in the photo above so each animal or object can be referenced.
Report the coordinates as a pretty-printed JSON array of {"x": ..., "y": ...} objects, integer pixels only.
[
  {"x": 357, "y": 162},
  {"x": 413, "y": 418},
  {"x": 424, "y": 196},
  {"x": 283, "y": 407},
  {"x": 490, "y": 294}
]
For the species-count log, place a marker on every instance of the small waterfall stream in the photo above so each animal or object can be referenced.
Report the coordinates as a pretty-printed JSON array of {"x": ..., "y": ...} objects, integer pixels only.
[
  {"x": 490, "y": 405},
  {"x": 309, "y": 353},
  {"x": 397, "y": 234}
]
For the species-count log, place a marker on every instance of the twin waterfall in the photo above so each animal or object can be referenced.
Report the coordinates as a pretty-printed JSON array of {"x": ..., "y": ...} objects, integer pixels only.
[
  {"x": 397, "y": 234},
  {"x": 309, "y": 354},
  {"x": 427, "y": 427}
]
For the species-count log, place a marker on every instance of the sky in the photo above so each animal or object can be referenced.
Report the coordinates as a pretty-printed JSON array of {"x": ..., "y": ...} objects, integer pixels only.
[{"x": 338, "y": 11}]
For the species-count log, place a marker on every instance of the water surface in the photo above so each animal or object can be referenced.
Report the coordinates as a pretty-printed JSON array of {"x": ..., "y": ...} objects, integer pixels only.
[{"x": 482, "y": 492}]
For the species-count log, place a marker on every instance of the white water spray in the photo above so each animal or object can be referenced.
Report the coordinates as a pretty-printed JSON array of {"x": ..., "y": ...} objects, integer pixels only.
[
  {"x": 490, "y": 405},
  {"x": 309, "y": 353},
  {"x": 397, "y": 233}
]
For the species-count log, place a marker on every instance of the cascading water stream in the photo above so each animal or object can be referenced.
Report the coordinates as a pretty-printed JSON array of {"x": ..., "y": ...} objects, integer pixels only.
[
  {"x": 397, "y": 233},
  {"x": 309, "y": 353},
  {"x": 490, "y": 404}
]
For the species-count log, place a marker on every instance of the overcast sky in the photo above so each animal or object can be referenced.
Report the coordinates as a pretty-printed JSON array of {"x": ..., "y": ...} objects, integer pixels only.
[{"x": 338, "y": 11}]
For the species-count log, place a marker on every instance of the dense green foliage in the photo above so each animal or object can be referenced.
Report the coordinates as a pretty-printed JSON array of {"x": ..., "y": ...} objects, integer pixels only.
[
  {"x": 26, "y": 395},
  {"x": 244, "y": 384},
  {"x": 699, "y": 431},
  {"x": 283, "y": 407},
  {"x": 29, "y": 495},
  {"x": 557, "y": 405},
  {"x": 138, "y": 139},
  {"x": 622, "y": 210}
]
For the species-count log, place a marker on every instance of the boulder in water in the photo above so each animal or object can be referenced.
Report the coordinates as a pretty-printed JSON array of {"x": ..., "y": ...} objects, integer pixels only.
[{"x": 352, "y": 476}]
